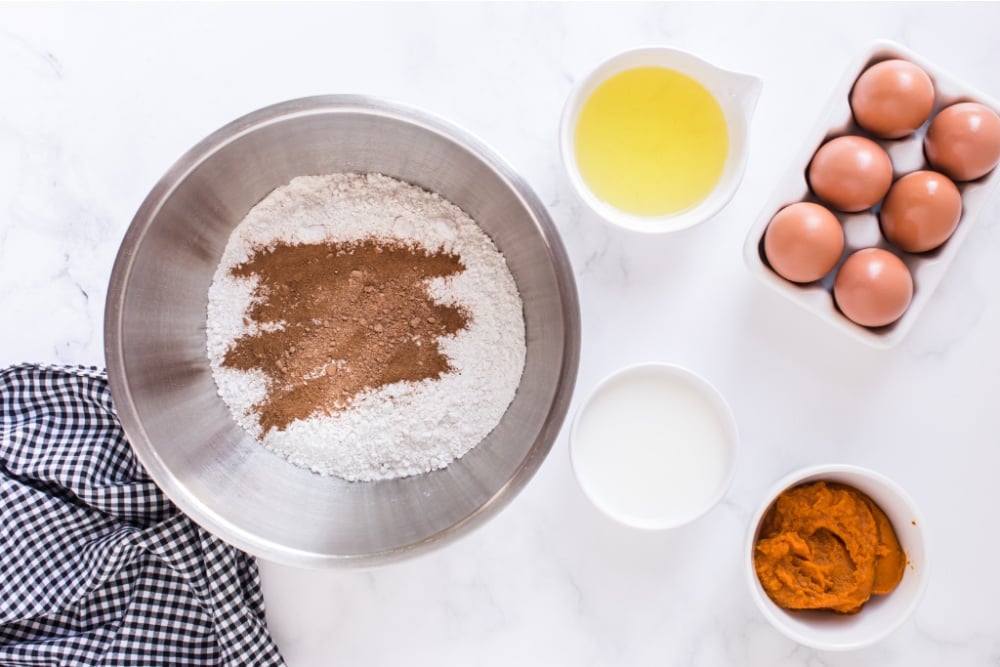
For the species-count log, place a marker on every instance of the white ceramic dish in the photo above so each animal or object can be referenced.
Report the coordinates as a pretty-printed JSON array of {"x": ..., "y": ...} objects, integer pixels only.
[
  {"x": 737, "y": 95},
  {"x": 883, "y": 613},
  {"x": 861, "y": 230},
  {"x": 654, "y": 446}
]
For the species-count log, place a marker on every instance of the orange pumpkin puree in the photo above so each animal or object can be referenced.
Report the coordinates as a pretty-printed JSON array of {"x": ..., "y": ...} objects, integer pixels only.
[{"x": 824, "y": 545}]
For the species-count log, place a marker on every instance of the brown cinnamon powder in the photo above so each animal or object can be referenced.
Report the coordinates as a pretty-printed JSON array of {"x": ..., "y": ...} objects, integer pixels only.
[{"x": 336, "y": 319}]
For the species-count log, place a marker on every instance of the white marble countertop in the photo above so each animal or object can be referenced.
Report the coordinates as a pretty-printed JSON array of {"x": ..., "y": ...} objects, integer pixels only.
[{"x": 96, "y": 102}]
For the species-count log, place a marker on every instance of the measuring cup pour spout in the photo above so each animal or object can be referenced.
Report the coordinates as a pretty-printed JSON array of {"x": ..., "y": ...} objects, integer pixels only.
[{"x": 746, "y": 89}]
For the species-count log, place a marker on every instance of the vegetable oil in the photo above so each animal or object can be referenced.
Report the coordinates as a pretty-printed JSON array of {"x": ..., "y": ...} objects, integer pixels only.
[{"x": 651, "y": 141}]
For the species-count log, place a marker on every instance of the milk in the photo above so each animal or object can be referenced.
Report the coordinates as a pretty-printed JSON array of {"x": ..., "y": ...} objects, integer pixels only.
[{"x": 653, "y": 446}]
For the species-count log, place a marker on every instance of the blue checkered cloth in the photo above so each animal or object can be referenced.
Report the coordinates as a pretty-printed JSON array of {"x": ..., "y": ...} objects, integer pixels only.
[{"x": 97, "y": 567}]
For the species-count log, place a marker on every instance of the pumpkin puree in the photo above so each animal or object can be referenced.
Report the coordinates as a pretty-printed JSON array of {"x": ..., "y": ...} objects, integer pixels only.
[{"x": 824, "y": 545}]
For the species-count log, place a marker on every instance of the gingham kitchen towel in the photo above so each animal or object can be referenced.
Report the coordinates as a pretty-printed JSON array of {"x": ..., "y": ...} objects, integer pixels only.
[{"x": 97, "y": 567}]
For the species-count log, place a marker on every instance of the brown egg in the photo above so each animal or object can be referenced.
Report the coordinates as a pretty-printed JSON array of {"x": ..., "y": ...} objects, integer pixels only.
[
  {"x": 803, "y": 242},
  {"x": 873, "y": 287},
  {"x": 921, "y": 211},
  {"x": 892, "y": 98},
  {"x": 963, "y": 141},
  {"x": 850, "y": 173}
]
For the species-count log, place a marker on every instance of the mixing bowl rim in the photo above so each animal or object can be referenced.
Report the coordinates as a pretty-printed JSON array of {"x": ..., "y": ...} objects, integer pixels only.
[{"x": 176, "y": 175}]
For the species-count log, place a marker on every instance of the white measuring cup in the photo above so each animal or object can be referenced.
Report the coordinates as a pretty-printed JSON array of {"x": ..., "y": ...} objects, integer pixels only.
[{"x": 737, "y": 95}]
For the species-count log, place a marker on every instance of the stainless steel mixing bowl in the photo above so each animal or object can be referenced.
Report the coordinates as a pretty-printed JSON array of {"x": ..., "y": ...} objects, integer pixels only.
[{"x": 155, "y": 339}]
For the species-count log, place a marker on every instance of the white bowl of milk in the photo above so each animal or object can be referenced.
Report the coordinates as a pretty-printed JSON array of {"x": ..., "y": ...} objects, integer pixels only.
[{"x": 654, "y": 446}]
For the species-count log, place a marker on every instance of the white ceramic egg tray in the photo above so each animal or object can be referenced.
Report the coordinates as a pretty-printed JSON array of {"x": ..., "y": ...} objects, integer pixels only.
[{"x": 861, "y": 230}]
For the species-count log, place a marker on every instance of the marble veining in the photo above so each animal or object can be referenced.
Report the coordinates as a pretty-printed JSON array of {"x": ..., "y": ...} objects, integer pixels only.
[{"x": 98, "y": 100}]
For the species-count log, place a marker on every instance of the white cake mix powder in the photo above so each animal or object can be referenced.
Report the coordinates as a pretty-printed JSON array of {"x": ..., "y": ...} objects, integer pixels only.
[{"x": 405, "y": 428}]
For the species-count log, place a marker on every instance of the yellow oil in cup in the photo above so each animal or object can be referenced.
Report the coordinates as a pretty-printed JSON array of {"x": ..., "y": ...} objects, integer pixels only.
[
  {"x": 655, "y": 139},
  {"x": 651, "y": 141}
]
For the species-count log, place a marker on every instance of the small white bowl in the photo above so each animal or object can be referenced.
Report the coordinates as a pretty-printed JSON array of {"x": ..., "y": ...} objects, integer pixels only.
[
  {"x": 736, "y": 93},
  {"x": 654, "y": 446},
  {"x": 882, "y": 614}
]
